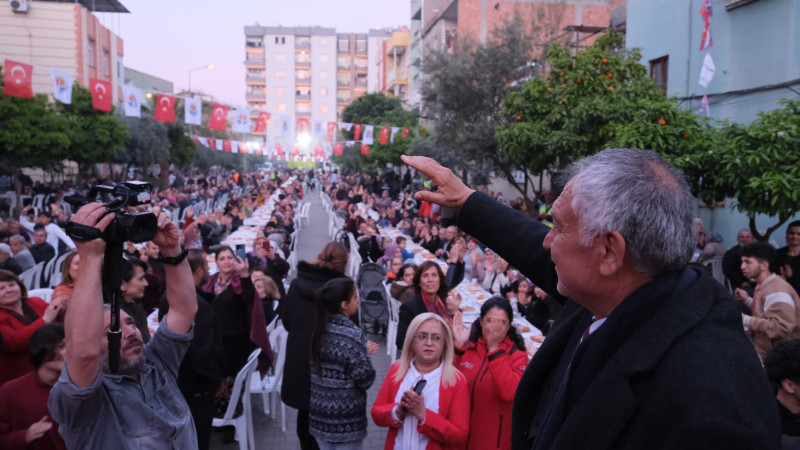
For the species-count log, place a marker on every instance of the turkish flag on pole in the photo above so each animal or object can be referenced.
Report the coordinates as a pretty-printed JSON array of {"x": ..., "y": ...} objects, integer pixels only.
[
  {"x": 337, "y": 149},
  {"x": 18, "y": 79},
  {"x": 219, "y": 116},
  {"x": 364, "y": 149},
  {"x": 384, "y": 135},
  {"x": 165, "y": 108},
  {"x": 405, "y": 132},
  {"x": 261, "y": 123},
  {"x": 331, "y": 130},
  {"x": 101, "y": 94},
  {"x": 357, "y": 132}
]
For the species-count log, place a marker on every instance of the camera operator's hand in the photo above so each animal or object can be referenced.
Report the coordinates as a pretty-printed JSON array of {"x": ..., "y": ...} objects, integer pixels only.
[
  {"x": 92, "y": 215},
  {"x": 167, "y": 237}
]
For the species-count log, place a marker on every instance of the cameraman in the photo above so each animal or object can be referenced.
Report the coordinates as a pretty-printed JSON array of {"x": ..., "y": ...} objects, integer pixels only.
[{"x": 141, "y": 406}]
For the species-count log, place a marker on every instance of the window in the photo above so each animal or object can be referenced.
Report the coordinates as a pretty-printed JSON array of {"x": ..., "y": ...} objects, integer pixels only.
[
  {"x": 281, "y": 107},
  {"x": 343, "y": 62},
  {"x": 323, "y": 108},
  {"x": 106, "y": 63},
  {"x": 302, "y": 74},
  {"x": 361, "y": 63},
  {"x": 302, "y": 41},
  {"x": 280, "y": 40},
  {"x": 323, "y": 91},
  {"x": 257, "y": 56},
  {"x": 323, "y": 58},
  {"x": 302, "y": 58},
  {"x": 280, "y": 74},
  {"x": 303, "y": 90},
  {"x": 280, "y": 57},
  {"x": 658, "y": 71},
  {"x": 302, "y": 107},
  {"x": 344, "y": 46},
  {"x": 323, "y": 75},
  {"x": 280, "y": 90},
  {"x": 361, "y": 46},
  {"x": 120, "y": 69},
  {"x": 344, "y": 96},
  {"x": 91, "y": 53},
  {"x": 343, "y": 78}
]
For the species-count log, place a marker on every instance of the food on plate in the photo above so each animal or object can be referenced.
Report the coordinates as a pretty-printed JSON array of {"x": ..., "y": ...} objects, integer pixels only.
[
  {"x": 481, "y": 297},
  {"x": 416, "y": 250},
  {"x": 466, "y": 308},
  {"x": 429, "y": 255},
  {"x": 537, "y": 338},
  {"x": 526, "y": 329}
]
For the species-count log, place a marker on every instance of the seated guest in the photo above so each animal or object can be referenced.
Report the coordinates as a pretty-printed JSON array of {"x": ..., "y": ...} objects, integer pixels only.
[
  {"x": 267, "y": 291},
  {"x": 492, "y": 357},
  {"x": 401, "y": 242},
  {"x": 783, "y": 370},
  {"x": 63, "y": 292},
  {"x": 390, "y": 251},
  {"x": 402, "y": 288},
  {"x": 20, "y": 317},
  {"x": 496, "y": 280},
  {"x": 431, "y": 240},
  {"x": 191, "y": 237},
  {"x": 265, "y": 257},
  {"x": 41, "y": 250},
  {"x": 20, "y": 253},
  {"x": 7, "y": 262},
  {"x": 394, "y": 268},
  {"x": 25, "y": 422},
  {"x": 713, "y": 247},
  {"x": 132, "y": 287},
  {"x": 438, "y": 416},
  {"x": 478, "y": 270}
]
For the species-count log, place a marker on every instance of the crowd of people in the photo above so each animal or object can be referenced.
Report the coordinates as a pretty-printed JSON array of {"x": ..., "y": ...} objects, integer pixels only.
[{"x": 644, "y": 349}]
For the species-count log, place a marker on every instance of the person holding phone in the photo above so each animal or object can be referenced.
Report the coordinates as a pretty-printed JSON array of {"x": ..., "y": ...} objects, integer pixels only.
[
  {"x": 424, "y": 399},
  {"x": 264, "y": 257},
  {"x": 233, "y": 296}
]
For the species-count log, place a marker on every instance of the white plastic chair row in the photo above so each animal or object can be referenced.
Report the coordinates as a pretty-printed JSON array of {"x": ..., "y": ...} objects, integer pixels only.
[
  {"x": 270, "y": 386},
  {"x": 244, "y": 422},
  {"x": 391, "y": 329},
  {"x": 43, "y": 293}
]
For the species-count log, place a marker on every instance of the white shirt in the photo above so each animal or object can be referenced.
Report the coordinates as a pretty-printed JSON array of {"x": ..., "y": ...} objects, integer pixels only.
[
  {"x": 407, "y": 436},
  {"x": 54, "y": 233}
]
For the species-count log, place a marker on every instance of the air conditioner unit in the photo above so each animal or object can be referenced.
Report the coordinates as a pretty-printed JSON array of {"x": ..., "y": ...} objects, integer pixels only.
[{"x": 19, "y": 6}]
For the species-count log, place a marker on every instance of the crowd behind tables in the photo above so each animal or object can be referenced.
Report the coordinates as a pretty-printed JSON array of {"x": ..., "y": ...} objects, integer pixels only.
[{"x": 494, "y": 319}]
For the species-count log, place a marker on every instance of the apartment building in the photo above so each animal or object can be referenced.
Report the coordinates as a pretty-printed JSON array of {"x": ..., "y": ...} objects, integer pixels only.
[
  {"x": 395, "y": 67},
  {"x": 64, "y": 36},
  {"x": 352, "y": 68},
  {"x": 291, "y": 73}
]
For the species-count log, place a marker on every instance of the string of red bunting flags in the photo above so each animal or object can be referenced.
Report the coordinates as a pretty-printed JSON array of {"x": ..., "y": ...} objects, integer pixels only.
[{"x": 19, "y": 83}]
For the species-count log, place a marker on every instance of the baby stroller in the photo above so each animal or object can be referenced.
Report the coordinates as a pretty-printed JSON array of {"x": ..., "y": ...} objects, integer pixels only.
[{"x": 373, "y": 310}]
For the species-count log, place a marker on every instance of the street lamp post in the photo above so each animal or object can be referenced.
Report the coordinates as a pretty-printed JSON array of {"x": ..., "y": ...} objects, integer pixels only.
[{"x": 208, "y": 66}]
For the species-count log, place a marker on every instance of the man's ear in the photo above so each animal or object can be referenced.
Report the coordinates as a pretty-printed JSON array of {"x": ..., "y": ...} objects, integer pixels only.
[{"x": 612, "y": 248}]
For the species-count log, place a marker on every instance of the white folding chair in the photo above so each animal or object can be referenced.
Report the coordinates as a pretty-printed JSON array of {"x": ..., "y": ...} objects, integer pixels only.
[
  {"x": 43, "y": 293},
  {"x": 391, "y": 329},
  {"x": 32, "y": 277},
  {"x": 241, "y": 390},
  {"x": 303, "y": 216},
  {"x": 271, "y": 384}
]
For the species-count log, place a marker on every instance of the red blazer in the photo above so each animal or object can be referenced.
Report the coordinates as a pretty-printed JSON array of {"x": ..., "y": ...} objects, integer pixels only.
[
  {"x": 445, "y": 430},
  {"x": 15, "y": 338},
  {"x": 492, "y": 381}
]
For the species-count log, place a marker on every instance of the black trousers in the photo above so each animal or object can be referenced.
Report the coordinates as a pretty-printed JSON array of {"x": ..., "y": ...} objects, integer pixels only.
[{"x": 307, "y": 441}]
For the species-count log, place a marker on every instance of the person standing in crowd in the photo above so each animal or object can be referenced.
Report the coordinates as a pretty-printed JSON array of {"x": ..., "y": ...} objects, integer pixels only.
[
  {"x": 774, "y": 307},
  {"x": 341, "y": 370},
  {"x": 132, "y": 287},
  {"x": 200, "y": 372},
  {"x": 787, "y": 260},
  {"x": 86, "y": 399},
  {"x": 433, "y": 414},
  {"x": 264, "y": 257},
  {"x": 25, "y": 423},
  {"x": 41, "y": 250},
  {"x": 664, "y": 362},
  {"x": 732, "y": 262},
  {"x": 492, "y": 357},
  {"x": 297, "y": 313},
  {"x": 783, "y": 369},
  {"x": 20, "y": 317},
  {"x": 234, "y": 295}
]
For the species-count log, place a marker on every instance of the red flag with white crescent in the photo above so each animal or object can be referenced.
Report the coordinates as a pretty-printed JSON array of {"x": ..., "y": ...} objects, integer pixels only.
[
  {"x": 226, "y": 145},
  {"x": 18, "y": 79},
  {"x": 303, "y": 125},
  {"x": 405, "y": 132},
  {"x": 364, "y": 149},
  {"x": 101, "y": 94},
  {"x": 384, "y": 135},
  {"x": 357, "y": 132},
  {"x": 165, "y": 108},
  {"x": 212, "y": 144},
  {"x": 261, "y": 123},
  {"x": 219, "y": 116},
  {"x": 331, "y": 130},
  {"x": 337, "y": 149}
]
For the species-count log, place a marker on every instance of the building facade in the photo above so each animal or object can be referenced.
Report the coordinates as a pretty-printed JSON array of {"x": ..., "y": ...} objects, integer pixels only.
[
  {"x": 395, "y": 67},
  {"x": 64, "y": 36}
]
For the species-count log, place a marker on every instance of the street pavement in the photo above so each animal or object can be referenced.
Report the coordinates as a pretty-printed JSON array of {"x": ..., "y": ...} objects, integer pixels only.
[{"x": 267, "y": 431}]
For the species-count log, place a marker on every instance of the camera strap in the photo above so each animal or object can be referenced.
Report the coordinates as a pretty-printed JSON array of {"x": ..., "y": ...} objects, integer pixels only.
[{"x": 82, "y": 233}]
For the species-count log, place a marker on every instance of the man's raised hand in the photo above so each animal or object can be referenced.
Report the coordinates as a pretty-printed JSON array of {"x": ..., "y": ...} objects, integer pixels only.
[{"x": 452, "y": 192}]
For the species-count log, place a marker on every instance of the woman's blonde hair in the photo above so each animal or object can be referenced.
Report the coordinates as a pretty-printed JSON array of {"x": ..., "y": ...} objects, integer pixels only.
[{"x": 449, "y": 373}]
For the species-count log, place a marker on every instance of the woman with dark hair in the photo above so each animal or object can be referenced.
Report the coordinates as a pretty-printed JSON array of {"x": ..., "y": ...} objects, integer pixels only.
[
  {"x": 20, "y": 317},
  {"x": 430, "y": 285},
  {"x": 338, "y": 404},
  {"x": 402, "y": 288},
  {"x": 234, "y": 295},
  {"x": 492, "y": 356},
  {"x": 296, "y": 312}
]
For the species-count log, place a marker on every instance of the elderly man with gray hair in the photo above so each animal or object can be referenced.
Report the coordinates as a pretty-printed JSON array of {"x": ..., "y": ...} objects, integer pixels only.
[{"x": 647, "y": 352}]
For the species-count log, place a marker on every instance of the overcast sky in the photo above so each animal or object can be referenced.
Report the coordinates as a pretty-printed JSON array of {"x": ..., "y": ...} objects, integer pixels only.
[{"x": 167, "y": 38}]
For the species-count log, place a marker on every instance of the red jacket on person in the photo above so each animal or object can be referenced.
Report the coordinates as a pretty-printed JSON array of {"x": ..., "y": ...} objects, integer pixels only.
[
  {"x": 446, "y": 429},
  {"x": 14, "y": 339},
  {"x": 492, "y": 382}
]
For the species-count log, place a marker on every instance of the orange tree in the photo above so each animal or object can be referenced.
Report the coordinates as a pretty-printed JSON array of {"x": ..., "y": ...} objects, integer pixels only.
[{"x": 601, "y": 98}]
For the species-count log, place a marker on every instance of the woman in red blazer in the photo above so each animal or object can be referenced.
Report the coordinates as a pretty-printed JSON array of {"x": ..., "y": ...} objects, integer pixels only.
[
  {"x": 437, "y": 417},
  {"x": 492, "y": 357}
]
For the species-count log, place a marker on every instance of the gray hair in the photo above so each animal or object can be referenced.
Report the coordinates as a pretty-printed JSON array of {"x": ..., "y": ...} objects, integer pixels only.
[
  {"x": 16, "y": 238},
  {"x": 641, "y": 196}
]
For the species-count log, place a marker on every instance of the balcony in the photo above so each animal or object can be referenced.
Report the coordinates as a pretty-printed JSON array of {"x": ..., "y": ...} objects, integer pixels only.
[
  {"x": 361, "y": 82},
  {"x": 302, "y": 97},
  {"x": 253, "y": 79},
  {"x": 256, "y": 92},
  {"x": 394, "y": 77},
  {"x": 255, "y": 63},
  {"x": 302, "y": 44},
  {"x": 253, "y": 102},
  {"x": 303, "y": 114},
  {"x": 341, "y": 67},
  {"x": 306, "y": 79},
  {"x": 343, "y": 82}
]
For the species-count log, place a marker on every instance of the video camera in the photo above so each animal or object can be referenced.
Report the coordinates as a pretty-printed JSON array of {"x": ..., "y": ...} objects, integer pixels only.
[{"x": 136, "y": 226}]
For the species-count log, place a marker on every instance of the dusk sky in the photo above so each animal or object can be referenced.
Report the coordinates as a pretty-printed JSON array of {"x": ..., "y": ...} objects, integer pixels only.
[{"x": 167, "y": 38}]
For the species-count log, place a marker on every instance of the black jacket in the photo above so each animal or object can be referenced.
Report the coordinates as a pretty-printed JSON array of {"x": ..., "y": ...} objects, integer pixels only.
[
  {"x": 297, "y": 312},
  {"x": 277, "y": 268},
  {"x": 686, "y": 378}
]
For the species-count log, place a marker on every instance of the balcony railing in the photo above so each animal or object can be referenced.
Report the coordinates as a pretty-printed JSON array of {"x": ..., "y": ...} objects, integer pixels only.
[
  {"x": 256, "y": 79},
  {"x": 302, "y": 97},
  {"x": 254, "y": 62},
  {"x": 342, "y": 83}
]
